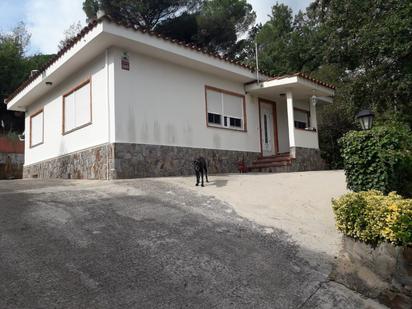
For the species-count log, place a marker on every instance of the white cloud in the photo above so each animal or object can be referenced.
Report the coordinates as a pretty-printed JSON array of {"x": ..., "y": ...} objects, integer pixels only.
[
  {"x": 263, "y": 7},
  {"x": 48, "y": 19}
]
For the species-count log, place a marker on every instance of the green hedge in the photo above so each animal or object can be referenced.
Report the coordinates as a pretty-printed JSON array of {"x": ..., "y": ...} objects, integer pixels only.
[
  {"x": 373, "y": 217},
  {"x": 379, "y": 159}
]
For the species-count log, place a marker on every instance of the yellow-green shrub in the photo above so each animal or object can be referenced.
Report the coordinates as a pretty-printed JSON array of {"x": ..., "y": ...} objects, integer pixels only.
[{"x": 372, "y": 217}]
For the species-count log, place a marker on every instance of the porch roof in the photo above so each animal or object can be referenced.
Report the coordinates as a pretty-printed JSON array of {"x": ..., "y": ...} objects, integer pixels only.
[{"x": 300, "y": 85}]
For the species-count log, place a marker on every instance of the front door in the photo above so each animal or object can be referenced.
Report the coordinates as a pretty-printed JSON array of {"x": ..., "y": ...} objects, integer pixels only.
[{"x": 267, "y": 129}]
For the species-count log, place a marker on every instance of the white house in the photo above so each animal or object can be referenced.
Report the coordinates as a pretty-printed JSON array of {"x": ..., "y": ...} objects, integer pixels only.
[{"x": 120, "y": 102}]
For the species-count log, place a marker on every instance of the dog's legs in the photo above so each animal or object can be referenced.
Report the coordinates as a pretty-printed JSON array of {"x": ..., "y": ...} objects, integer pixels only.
[
  {"x": 207, "y": 180},
  {"x": 201, "y": 172},
  {"x": 197, "y": 178}
]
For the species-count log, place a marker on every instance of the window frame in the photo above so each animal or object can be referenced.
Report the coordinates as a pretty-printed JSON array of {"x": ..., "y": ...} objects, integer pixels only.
[
  {"x": 214, "y": 116},
  {"x": 71, "y": 91},
  {"x": 222, "y": 126},
  {"x": 308, "y": 115},
  {"x": 234, "y": 120},
  {"x": 41, "y": 111}
]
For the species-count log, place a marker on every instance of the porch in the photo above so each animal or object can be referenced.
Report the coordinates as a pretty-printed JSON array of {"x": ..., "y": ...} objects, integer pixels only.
[{"x": 288, "y": 122}]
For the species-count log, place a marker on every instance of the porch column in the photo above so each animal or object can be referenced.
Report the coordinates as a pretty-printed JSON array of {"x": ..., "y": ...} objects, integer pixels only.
[
  {"x": 291, "y": 120},
  {"x": 313, "y": 118}
]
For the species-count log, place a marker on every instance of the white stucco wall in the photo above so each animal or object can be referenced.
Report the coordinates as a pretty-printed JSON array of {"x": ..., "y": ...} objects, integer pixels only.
[
  {"x": 283, "y": 129},
  {"x": 161, "y": 103},
  {"x": 156, "y": 102},
  {"x": 306, "y": 139},
  {"x": 55, "y": 143}
]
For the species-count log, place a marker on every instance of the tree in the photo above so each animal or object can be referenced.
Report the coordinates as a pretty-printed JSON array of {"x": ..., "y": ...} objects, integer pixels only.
[
  {"x": 183, "y": 28},
  {"x": 213, "y": 24},
  {"x": 244, "y": 50},
  {"x": 12, "y": 48},
  {"x": 15, "y": 66},
  {"x": 91, "y": 7},
  {"x": 70, "y": 33},
  {"x": 274, "y": 41},
  {"x": 222, "y": 22},
  {"x": 363, "y": 47},
  {"x": 143, "y": 13},
  {"x": 370, "y": 41}
]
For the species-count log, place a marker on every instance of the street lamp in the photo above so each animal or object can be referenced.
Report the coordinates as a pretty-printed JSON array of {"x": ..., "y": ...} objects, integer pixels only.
[{"x": 365, "y": 118}]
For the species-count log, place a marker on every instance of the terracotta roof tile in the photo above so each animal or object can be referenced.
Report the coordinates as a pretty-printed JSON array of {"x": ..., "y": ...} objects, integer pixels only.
[
  {"x": 305, "y": 76},
  {"x": 316, "y": 81},
  {"x": 194, "y": 47}
]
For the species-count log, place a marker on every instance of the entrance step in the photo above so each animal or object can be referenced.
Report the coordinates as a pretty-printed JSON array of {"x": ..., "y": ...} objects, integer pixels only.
[
  {"x": 272, "y": 159},
  {"x": 277, "y": 163}
]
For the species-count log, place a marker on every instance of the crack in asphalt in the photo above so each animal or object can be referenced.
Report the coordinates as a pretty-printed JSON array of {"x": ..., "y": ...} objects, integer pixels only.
[{"x": 320, "y": 284}]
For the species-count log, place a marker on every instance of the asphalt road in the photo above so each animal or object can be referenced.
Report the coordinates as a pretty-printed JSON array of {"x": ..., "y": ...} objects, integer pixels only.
[{"x": 147, "y": 244}]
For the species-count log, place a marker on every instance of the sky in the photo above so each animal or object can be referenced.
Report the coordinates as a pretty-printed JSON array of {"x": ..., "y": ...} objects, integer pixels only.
[{"x": 46, "y": 20}]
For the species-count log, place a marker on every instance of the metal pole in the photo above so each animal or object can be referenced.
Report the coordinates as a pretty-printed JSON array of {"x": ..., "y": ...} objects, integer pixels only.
[
  {"x": 108, "y": 112},
  {"x": 257, "y": 63}
]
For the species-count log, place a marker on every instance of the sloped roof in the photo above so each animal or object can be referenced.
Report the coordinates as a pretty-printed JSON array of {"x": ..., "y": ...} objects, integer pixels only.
[
  {"x": 305, "y": 76},
  {"x": 191, "y": 46}
]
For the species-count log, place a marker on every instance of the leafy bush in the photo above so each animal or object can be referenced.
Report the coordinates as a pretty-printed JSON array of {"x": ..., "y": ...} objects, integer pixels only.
[
  {"x": 334, "y": 120},
  {"x": 373, "y": 217},
  {"x": 379, "y": 159}
]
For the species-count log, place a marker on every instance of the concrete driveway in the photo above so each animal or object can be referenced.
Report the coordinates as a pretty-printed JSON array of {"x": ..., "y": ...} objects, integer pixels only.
[
  {"x": 296, "y": 203},
  {"x": 157, "y": 244}
]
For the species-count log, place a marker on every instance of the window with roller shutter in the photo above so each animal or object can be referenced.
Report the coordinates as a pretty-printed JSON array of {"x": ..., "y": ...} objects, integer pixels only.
[
  {"x": 301, "y": 118},
  {"x": 225, "y": 109},
  {"x": 77, "y": 108},
  {"x": 37, "y": 129}
]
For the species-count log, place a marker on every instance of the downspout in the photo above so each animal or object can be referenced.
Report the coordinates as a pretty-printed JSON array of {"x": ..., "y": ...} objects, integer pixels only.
[{"x": 108, "y": 111}]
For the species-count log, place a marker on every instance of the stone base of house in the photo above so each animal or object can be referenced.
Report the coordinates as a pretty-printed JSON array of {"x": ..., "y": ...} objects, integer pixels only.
[
  {"x": 306, "y": 159},
  {"x": 90, "y": 163},
  {"x": 135, "y": 161},
  {"x": 123, "y": 161}
]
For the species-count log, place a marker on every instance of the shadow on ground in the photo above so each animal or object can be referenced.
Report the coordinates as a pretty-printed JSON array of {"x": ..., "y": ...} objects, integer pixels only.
[
  {"x": 146, "y": 244},
  {"x": 218, "y": 183}
]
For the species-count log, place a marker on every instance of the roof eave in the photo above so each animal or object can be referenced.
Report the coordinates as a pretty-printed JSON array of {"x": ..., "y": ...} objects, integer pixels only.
[
  {"x": 46, "y": 74},
  {"x": 180, "y": 48},
  {"x": 290, "y": 82},
  {"x": 316, "y": 86},
  {"x": 27, "y": 85}
]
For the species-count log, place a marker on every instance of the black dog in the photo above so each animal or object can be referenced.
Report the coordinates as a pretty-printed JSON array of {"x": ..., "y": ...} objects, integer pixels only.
[{"x": 200, "y": 168}]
